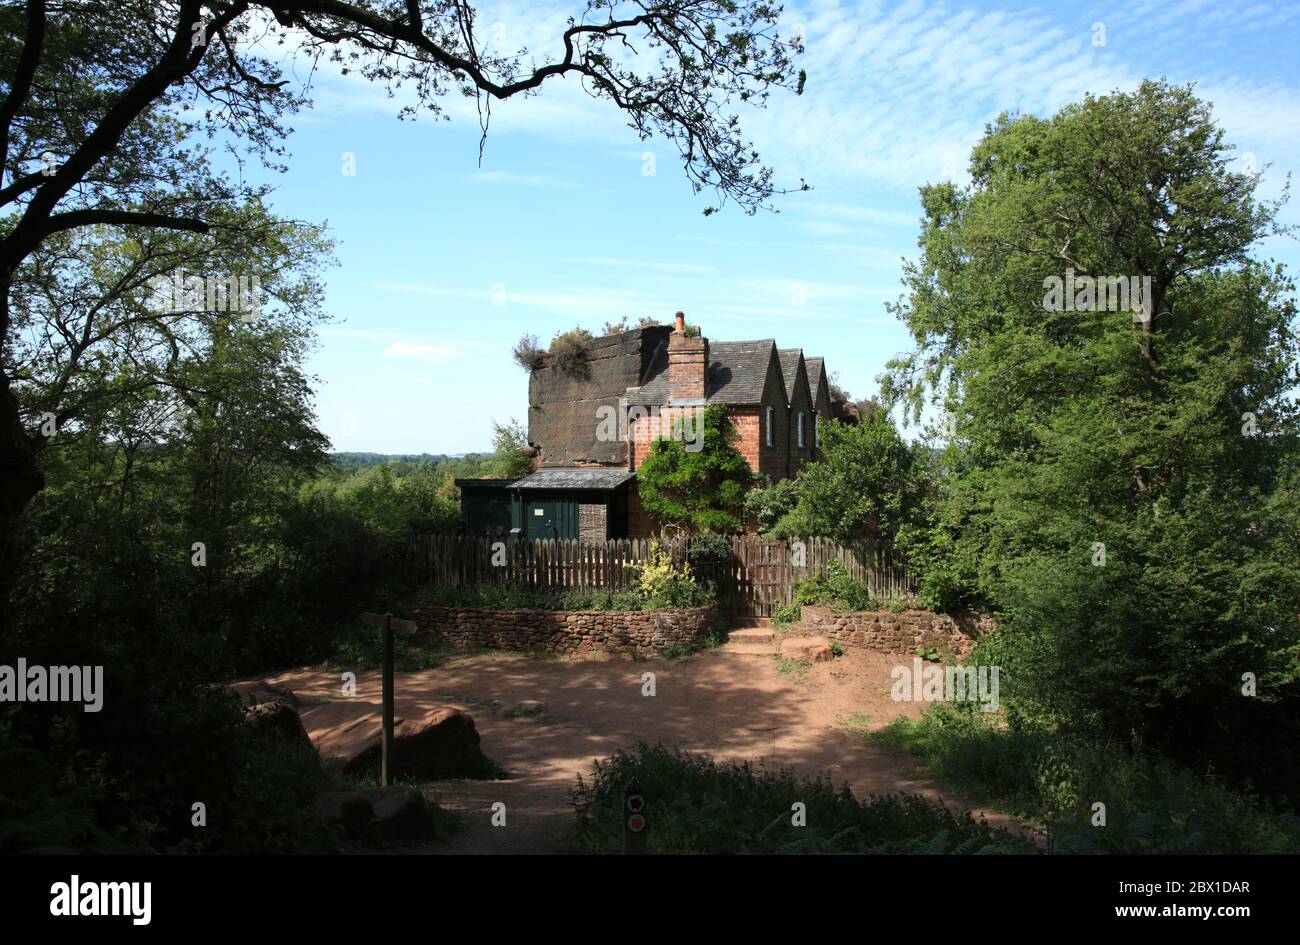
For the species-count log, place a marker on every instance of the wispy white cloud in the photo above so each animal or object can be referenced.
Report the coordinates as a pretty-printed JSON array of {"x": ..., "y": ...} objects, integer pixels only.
[
  {"x": 897, "y": 93},
  {"x": 726, "y": 298},
  {"x": 824, "y": 228},
  {"x": 406, "y": 349},
  {"x": 857, "y": 214}
]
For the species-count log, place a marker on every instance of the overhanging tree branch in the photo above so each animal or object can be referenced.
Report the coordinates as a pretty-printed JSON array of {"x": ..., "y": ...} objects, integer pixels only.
[{"x": 75, "y": 218}]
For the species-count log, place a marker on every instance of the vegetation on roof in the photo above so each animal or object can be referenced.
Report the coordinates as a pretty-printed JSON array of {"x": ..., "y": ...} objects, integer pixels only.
[
  {"x": 528, "y": 354},
  {"x": 570, "y": 351}
]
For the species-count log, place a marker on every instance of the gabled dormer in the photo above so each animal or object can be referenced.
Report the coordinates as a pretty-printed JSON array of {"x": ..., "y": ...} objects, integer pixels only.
[{"x": 802, "y": 423}]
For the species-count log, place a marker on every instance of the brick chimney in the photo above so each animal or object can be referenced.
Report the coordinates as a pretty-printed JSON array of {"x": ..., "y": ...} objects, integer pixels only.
[{"x": 688, "y": 362}]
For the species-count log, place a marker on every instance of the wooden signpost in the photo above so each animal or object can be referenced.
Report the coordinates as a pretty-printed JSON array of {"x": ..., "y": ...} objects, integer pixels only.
[
  {"x": 634, "y": 822},
  {"x": 390, "y": 625}
]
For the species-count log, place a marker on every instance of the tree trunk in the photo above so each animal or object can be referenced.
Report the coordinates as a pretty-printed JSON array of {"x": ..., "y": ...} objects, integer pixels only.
[{"x": 20, "y": 481}]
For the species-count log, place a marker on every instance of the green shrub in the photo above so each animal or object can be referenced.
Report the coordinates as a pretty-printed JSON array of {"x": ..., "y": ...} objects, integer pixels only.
[
  {"x": 701, "y": 489},
  {"x": 1051, "y": 779},
  {"x": 695, "y": 805},
  {"x": 708, "y": 555},
  {"x": 661, "y": 584},
  {"x": 835, "y": 589},
  {"x": 135, "y": 796},
  {"x": 786, "y": 614},
  {"x": 767, "y": 506}
]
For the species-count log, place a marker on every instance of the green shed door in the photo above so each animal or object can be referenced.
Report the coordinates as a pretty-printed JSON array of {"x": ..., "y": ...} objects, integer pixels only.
[{"x": 551, "y": 518}]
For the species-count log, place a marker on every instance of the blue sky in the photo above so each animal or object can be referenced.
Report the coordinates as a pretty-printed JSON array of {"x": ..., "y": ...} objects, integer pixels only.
[{"x": 444, "y": 264}]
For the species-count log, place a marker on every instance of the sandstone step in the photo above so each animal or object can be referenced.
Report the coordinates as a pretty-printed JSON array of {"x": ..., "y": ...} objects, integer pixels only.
[
  {"x": 812, "y": 649},
  {"x": 749, "y": 649},
  {"x": 751, "y": 635}
]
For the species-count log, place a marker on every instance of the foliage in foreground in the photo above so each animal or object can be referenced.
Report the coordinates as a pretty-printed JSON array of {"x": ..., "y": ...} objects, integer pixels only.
[
  {"x": 1152, "y": 805},
  {"x": 695, "y": 805},
  {"x": 133, "y": 794}
]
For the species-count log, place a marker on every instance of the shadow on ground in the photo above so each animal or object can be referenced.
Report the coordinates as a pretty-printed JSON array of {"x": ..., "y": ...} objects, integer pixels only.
[{"x": 734, "y": 707}]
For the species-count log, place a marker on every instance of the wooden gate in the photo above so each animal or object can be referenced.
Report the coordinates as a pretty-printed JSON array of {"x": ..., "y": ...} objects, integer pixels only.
[{"x": 766, "y": 571}]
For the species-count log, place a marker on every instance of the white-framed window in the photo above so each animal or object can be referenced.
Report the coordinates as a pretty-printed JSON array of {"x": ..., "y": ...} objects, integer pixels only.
[
  {"x": 771, "y": 425},
  {"x": 800, "y": 427},
  {"x": 817, "y": 430}
]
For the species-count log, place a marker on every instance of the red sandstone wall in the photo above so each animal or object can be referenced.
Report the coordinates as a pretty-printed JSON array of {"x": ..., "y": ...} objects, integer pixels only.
[{"x": 590, "y": 633}]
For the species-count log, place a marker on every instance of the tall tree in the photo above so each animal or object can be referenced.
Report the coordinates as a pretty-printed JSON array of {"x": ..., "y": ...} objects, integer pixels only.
[
  {"x": 512, "y": 457},
  {"x": 1124, "y": 480}
]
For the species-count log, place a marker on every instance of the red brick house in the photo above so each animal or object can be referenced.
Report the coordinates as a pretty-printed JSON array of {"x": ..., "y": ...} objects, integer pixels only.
[{"x": 592, "y": 429}]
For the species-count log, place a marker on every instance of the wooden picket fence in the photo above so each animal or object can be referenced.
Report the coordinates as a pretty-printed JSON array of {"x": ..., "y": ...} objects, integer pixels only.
[{"x": 762, "y": 573}]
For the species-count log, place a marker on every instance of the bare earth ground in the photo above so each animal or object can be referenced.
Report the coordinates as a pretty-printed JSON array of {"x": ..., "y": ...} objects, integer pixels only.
[{"x": 733, "y": 706}]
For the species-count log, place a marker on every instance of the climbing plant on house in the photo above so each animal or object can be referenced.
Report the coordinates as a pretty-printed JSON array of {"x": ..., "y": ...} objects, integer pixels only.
[{"x": 702, "y": 489}]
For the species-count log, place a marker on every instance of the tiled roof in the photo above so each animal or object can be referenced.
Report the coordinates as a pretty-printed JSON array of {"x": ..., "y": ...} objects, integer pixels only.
[
  {"x": 737, "y": 374},
  {"x": 572, "y": 477},
  {"x": 738, "y": 371},
  {"x": 789, "y": 369},
  {"x": 814, "y": 367}
]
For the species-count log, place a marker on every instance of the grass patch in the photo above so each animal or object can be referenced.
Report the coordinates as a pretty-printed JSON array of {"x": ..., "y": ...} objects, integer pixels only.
[
  {"x": 695, "y": 805},
  {"x": 797, "y": 670},
  {"x": 858, "y": 723},
  {"x": 1054, "y": 781},
  {"x": 523, "y": 711},
  {"x": 679, "y": 651}
]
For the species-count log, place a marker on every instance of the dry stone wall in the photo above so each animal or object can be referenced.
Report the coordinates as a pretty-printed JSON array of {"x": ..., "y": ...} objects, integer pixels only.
[
  {"x": 891, "y": 632},
  {"x": 590, "y": 633}
]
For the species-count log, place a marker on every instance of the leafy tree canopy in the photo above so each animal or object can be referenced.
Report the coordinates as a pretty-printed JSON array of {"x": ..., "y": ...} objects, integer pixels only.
[
  {"x": 863, "y": 487},
  {"x": 1122, "y": 485}
]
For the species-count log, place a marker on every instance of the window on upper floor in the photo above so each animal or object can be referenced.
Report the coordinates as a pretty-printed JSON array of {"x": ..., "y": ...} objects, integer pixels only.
[
  {"x": 817, "y": 430},
  {"x": 771, "y": 426},
  {"x": 800, "y": 429}
]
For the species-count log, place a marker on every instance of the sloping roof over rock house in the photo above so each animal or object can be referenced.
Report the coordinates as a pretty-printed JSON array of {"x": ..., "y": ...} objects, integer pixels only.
[{"x": 574, "y": 477}]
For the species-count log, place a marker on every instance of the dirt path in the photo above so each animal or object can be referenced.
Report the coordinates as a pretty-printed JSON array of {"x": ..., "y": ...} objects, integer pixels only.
[{"x": 730, "y": 705}]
